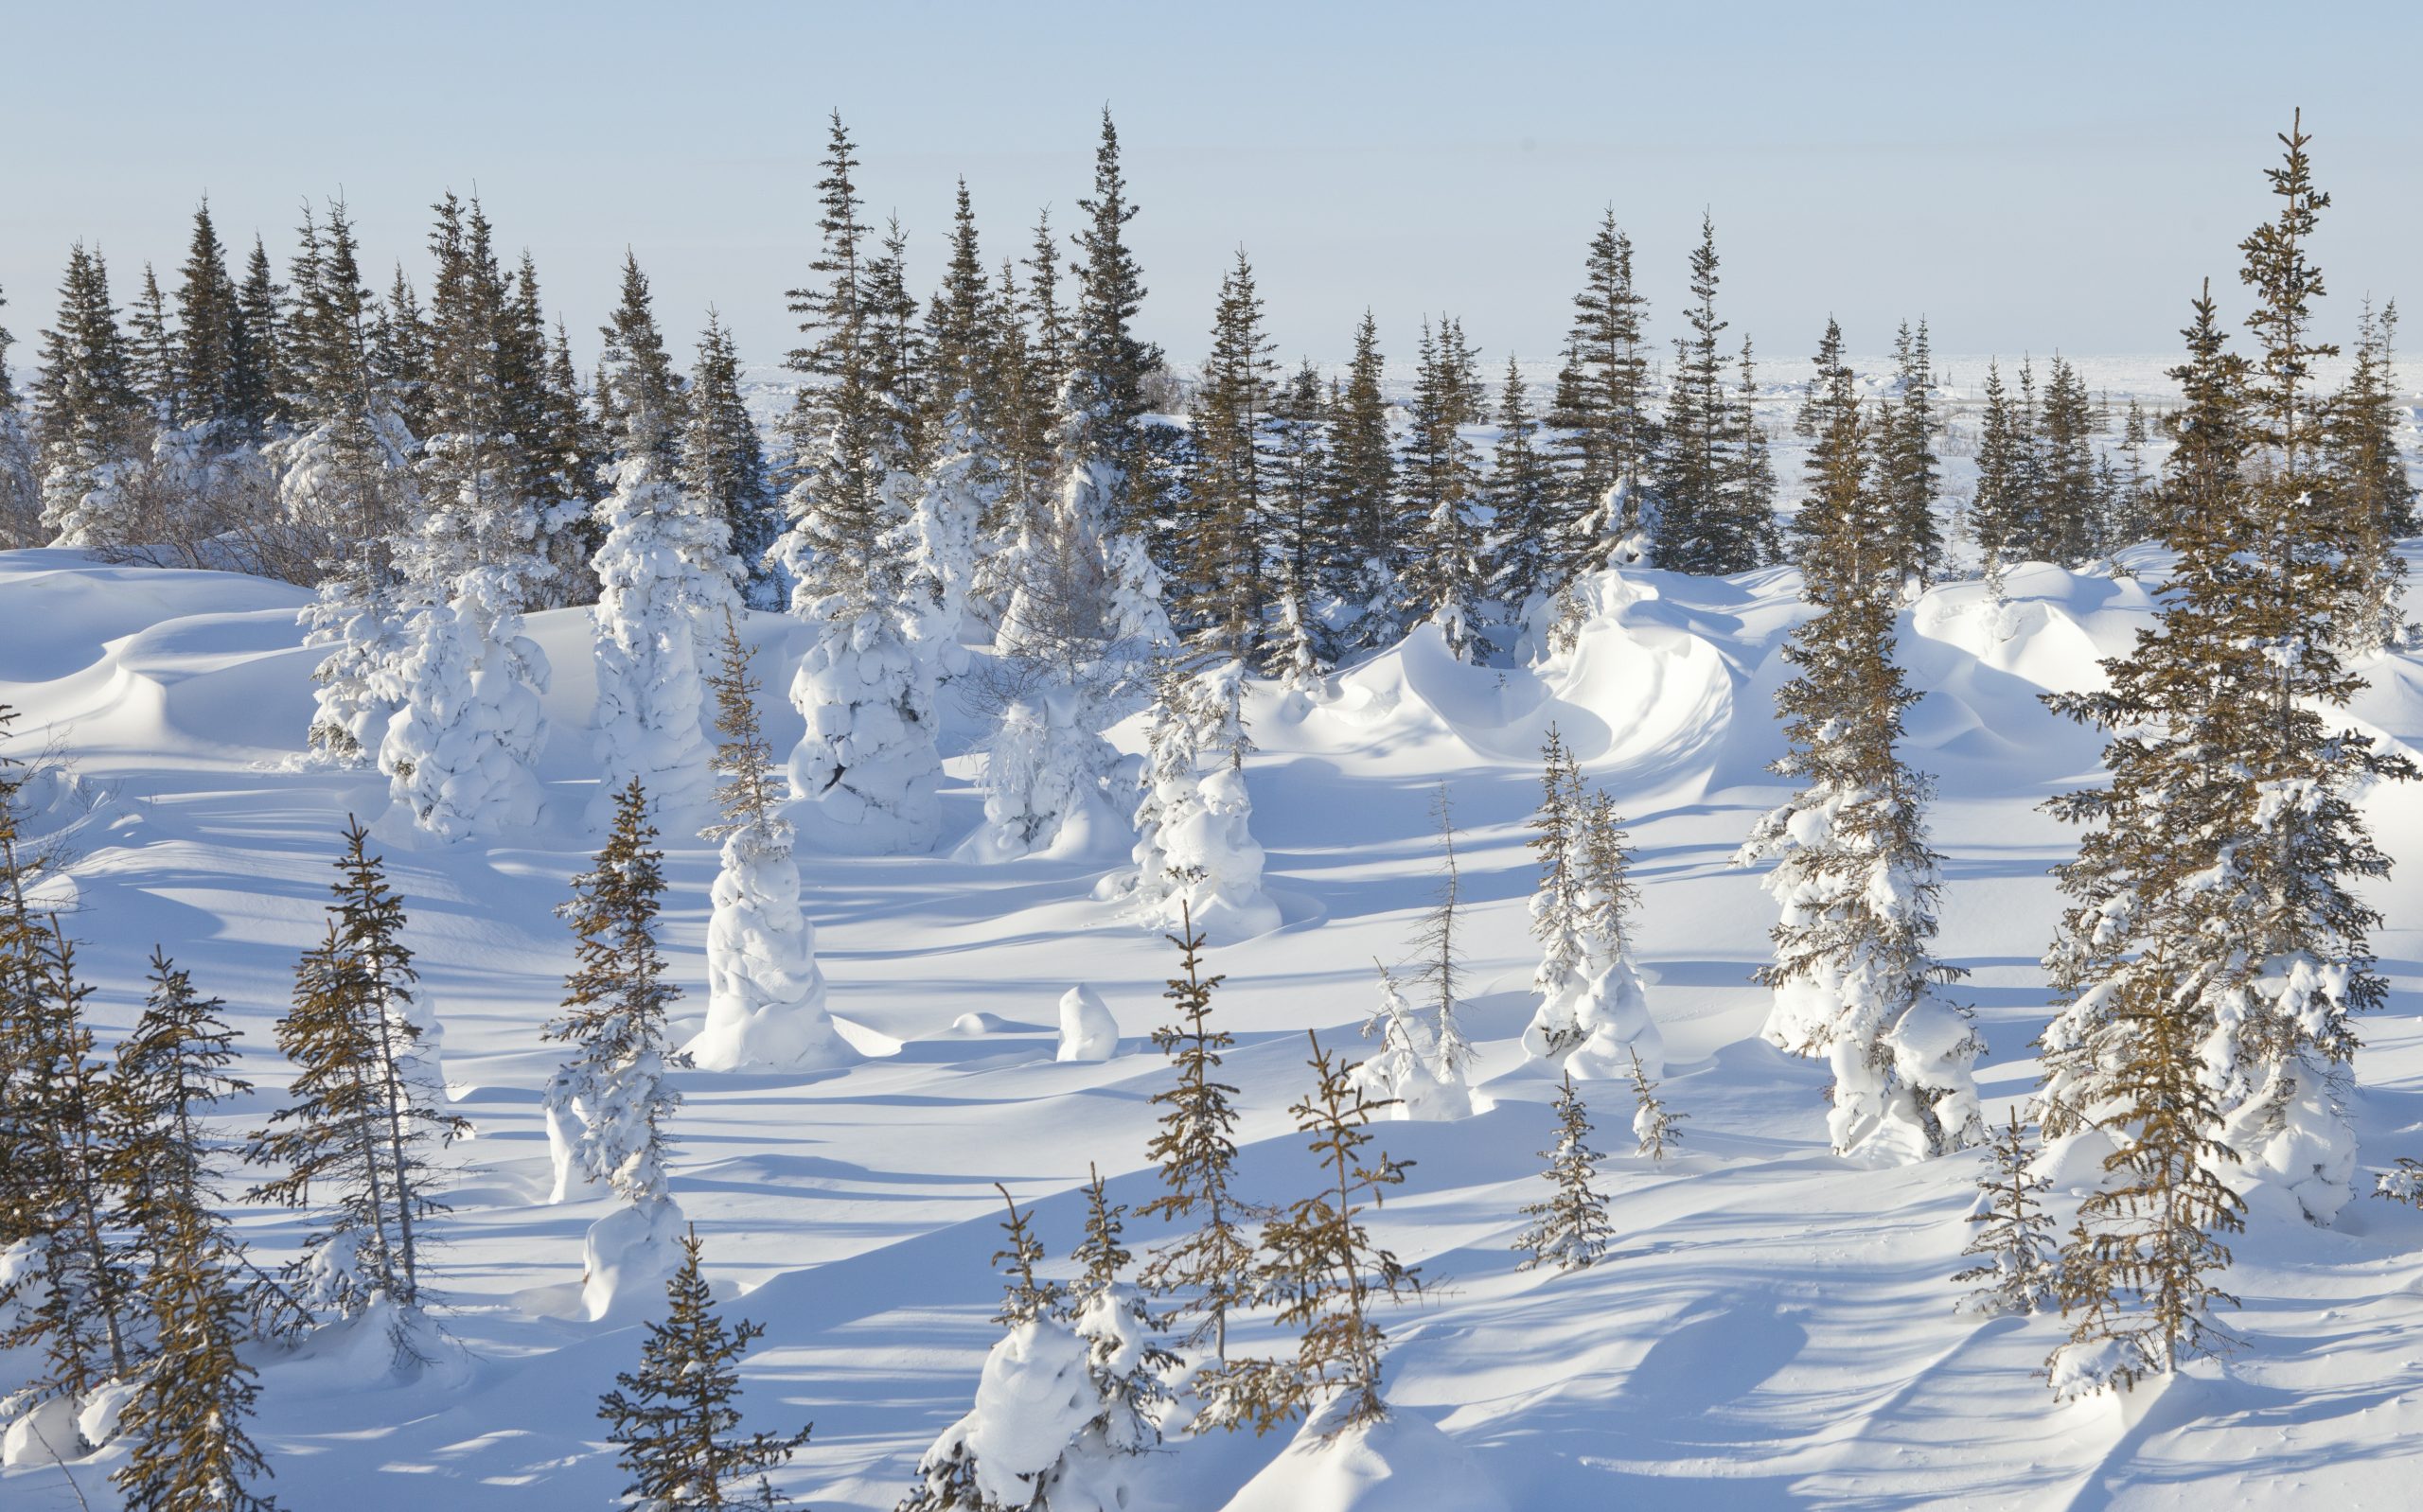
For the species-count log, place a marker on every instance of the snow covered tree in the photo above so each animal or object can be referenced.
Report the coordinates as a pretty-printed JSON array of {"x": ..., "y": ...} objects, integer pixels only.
[
  {"x": 1400, "y": 1072},
  {"x": 361, "y": 1123},
  {"x": 765, "y": 993},
  {"x": 2136, "y": 1276},
  {"x": 1111, "y": 1316},
  {"x": 663, "y": 572},
  {"x": 639, "y": 388},
  {"x": 2016, "y": 1241},
  {"x": 672, "y": 1420},
  {"x": 1442, "y": 963},
  {"x": 1853, "y": 977},
  {"x": 188, "y": 1449},
  {"x": 2214, "y": 911},
  {"x": 86, "y": 410},
  {"x": 723, "y": 465},
  {"x": 169, "y": 1072},
  {"x": 1294, "y": 652},
  {"x": 461, "y": 752},
  {"x": 1999, "y": 506},
  {"x": 866, "y": 773},
  {"x": 1556, "y": 906},
  {"x": 1326, "y": 1274},
  {"x": 1195, "y": 854},
  {"x": 606, "y": 1106},
  {"x": 1653, "y": 1125},
  {"x": 73, "y": 1300},
  {"x": 961, "y": 490},
  {"x": 1210, "y": 1269},
  {"x": 1593, "y": 1007},
  {"x": 1569, "y": 1229}
]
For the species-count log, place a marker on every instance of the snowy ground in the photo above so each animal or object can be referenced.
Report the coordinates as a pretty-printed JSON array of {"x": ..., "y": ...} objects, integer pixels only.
[{"x": 1775, "y": 1326}]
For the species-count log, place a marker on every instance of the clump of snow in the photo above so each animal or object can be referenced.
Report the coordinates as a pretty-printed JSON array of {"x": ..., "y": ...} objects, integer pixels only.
[
  {"x": 626, "y": 1255},
  {"x": 1087, "y": 1031}
]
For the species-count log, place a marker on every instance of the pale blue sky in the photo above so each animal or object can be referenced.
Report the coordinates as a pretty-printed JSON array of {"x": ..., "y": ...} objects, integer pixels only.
[{"x": 2038, "y": 176}]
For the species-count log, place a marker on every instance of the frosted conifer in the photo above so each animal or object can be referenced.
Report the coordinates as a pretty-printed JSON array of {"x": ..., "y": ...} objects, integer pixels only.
[
  {"x": 1569, "y": 1230},
  {"x": 2016, "y": 1241}
]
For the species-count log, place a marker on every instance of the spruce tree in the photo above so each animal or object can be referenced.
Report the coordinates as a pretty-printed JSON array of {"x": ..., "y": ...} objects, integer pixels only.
[
  {"x": 1998, "y": 510},
  {"x": 1103, "y": 342},
  {"x": 615, "y": 1003},
  {"x": 184, "y": 1426},
  {"x": 2367, "y": 480},
  {"x": 672, "y": 1420},
  {"x": 639, "y": 376},
  {"x": 20, "y": 487},
  {"x": 1224, "y": 588},
  {"x": 723, "y": 464},
  {"x": 209, "y": 333},
  {"x": 2015, "y": 1241},
  {"x": 2067, "y": 521},
  {"x": 1327, "y": 1276},
  {"x": 1907, "y": 466},
  {"x": 1024, "y": 1297},
  {"x": 1653, "y": 1123},
  {"x": 1297, "y": 651},
  {"x": 151, "y": 353},
  {"x": 1602, "y": 407},
  {"x": 1569, "y": 1229},
  {"x": 1750, "y": 486},
  {"x": 261, "y": 379},
  {"x": 363, "y": 1122},
  {"x": 76, "y": 1302},
  {"x": 1520, "y": 499},
  {"x": 170, "y": 1073},
  {"x": 1696, "y": 531},
  {"x": 1111, "y": 1317},
  {"x": 1443, "y": 576},
  {"x": 86, "y": 408},
  {"x": 1366, "y": 550},
  {"x": 1438, "y": 948},
  {"x": 1209, "y": 1270},
  {"x": 1854, "y": 977}
]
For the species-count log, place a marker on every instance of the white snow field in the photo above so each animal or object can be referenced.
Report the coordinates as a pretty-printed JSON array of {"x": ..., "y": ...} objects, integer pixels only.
[{"x": 1773, "y": 1326}]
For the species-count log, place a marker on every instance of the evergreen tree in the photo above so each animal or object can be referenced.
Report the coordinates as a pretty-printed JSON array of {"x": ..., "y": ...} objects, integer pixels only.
[
  {"x": 1103, "y": 342},
  {"x": 1653, "y": 1125},
  {"x": 1441, "y": 968},
  {"x": 1111, "y": 1316},
  {"x": 1998, "y": 510},
  {"x": 1325, "y": 1272},
  {"x": 639, "y": 376},
  {"x": 1907, "y": 468},
  {"x": 672, "y": 1420},
  {"x": 1750, "y": 485},
  {"x": 1697, "y": 530},
  {"x": 2367, "y": 478},
  {"x": 1443, "y": 574},
  {"x": 1366, "y": 552},
  {"x": 1210, "y": 1269},
  {"x": 87, "y": 411},
  {"x": 1569, "y": 1230},
  {"x": 963, "y": 333},
  {"x": 1225, "y": 571},
  {"x": 151, "y": 353},
  {"x": 261, "y": 381},
  {"x": 2214, "y": 914},
  {"x": 1602, "y": 407},
  {"x": 2018, "y": 1269},
  {"x": 1296, "y": 652},
  {"x": 75, "y": 1303},
  {"x": 209, "y": 331},
  {"x": 170, "y": 1071},
  {"x": 1853, "y": 977},
  {"x": 20, "y": 491},
  {"x": 765, "y": 994},
  {"x": 1521, "y": 502},
  {"x": 723, "y": 464},
  {"x": 399, "y": 352},
  {"x": 2066, "y": 521},
  {"x": 188, "y": 1448},
  {"x": 362, "y": 1118},
  {"x": 615, "y": 1002}
]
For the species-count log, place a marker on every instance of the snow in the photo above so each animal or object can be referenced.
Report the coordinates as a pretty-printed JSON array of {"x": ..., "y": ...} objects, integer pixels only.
[
  {"x": 1088, "y": 1031},
  {"x": 1774, "y": 1324}
]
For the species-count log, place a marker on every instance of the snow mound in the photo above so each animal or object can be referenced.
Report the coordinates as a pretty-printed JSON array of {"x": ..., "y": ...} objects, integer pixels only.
[
  {"x": 1087, "y": 1031},
  {"x": 1400, "y": 1464}
]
